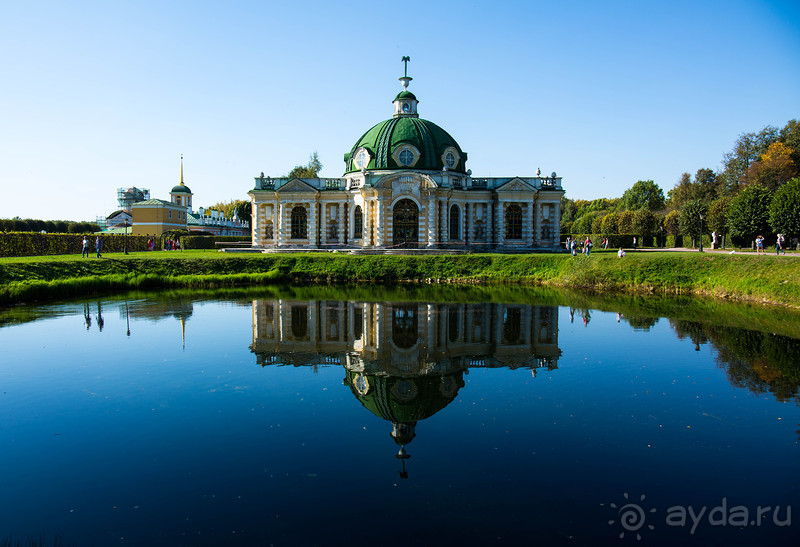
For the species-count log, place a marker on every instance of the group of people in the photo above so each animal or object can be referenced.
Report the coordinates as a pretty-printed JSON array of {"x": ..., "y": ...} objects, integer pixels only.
[
  {"x": 169, "y": 245},
  {"x": 779, "y": 243},
  {"x": 573, "y": 245},
  {"x": 98, "y": 245}
]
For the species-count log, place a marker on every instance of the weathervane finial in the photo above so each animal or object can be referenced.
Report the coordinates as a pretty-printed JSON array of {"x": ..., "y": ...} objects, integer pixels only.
[{"x": 405, "y": 78}]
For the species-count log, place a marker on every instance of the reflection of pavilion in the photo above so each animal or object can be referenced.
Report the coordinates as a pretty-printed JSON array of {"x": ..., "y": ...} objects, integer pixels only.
[
  {"x": 405, "y": 361},
  {"x": 405, "y": 338}
]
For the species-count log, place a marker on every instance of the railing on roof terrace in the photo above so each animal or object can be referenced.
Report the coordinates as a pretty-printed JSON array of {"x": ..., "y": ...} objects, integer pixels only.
[
  {"x": 265, "y": 183},
  {"x": 334, "y": 184},
  {"x": 480, "y": 183},
  {"x": 548, "y": 182}
]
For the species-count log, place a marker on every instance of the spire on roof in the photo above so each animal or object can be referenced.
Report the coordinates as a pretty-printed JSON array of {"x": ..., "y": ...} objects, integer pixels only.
[{"x": 405, "y": 79}]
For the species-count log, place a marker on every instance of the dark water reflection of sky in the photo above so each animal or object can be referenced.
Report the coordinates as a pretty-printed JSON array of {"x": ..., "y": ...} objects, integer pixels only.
[{"x": 280, "y": 421}]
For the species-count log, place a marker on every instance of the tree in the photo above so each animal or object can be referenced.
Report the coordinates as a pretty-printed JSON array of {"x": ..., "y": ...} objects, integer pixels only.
[
  {"x": 597, "y": 224},
  {"x": 584, "y": 224},
  {"x": 708, "y": 185},
  {"x": 625, "y": 222},
  {"x": 610, "y": 224},
  {"x": 244, "y": 210},
  {"x": 790, "y": 136},
  {"x": 682, "y": 192},
  {"x": 645, "y": 193},
  {"x": 746, "y": 151},
  {"x": 568, "y": 212},
  {"x": 671, "y": 223},
  {"x": 689, "y": 221},
  {"x": 784, "y": 212},
  {"x": 749, "y": 212},
  {"x": 774, "y": 168},
  {"x": 310, "y": 171},
  {"x": 718, "y": 215},
  {"x": 645, "y": 222}
]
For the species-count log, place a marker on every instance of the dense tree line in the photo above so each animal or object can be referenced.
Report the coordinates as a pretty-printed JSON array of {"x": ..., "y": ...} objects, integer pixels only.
[
  {"x": 17, "y": 224},
  {"x": 757, "y": 191}
]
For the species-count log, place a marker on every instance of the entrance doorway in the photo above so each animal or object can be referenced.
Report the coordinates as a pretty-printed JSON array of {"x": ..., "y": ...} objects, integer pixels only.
[{"x": 406, "y": 224}]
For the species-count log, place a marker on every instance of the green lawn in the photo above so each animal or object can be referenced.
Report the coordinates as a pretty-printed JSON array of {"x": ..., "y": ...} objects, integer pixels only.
[{"x": 743, "y": 276}]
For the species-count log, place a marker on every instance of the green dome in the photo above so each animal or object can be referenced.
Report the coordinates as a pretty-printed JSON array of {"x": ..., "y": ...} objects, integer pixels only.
[
  {"x": 180, "y": 189},
  {"x": 430, "y": 140},
  {"x": 405, "y": 95}
]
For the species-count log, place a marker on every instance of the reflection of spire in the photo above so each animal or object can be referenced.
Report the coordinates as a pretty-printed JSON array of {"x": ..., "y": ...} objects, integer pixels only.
[
  {"x": 127, "y": 318},
  {"x": 403, "y": 456},
  {"x": 183, "y": 331}
]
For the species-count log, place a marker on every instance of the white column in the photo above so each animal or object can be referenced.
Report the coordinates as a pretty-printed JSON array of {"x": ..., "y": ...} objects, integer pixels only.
[
  {"x": 379, "y": 224},
  {"x": 537, "y": 211},
  {"x": 465, "y": 232},
  {"x": 366, "y": 223},
  {"x": 446, "y": 222},
  {"x": 280, "y": 223},
  {"x": 431, "y": 222},
  {"x": 312, "y": 218},
  {"x": 323, "y": 224},
  {"x": 341, "y": 216},
  {"x": 499, "y": 221},
  {"x": 556, "y": 222},
  {"x": 255, "y": 225}
]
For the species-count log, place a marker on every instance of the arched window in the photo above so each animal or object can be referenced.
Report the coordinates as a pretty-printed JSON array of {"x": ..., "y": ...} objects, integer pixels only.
[
  {"x": 455, "y": 222},
  {"x": 514, "y": 222},
  {"x": 299, "y": 223},
  {"x": 358, "y": 223}
]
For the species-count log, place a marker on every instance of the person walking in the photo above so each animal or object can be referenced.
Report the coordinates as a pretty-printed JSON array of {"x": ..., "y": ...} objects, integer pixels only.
[
  {"x": 779, "y": 245},
  {"x": 760, "y": 245},
  {"x": 98, "y": 245},
  {"x": 634, "y": 243},
  {"x": 85, "y": 251}
]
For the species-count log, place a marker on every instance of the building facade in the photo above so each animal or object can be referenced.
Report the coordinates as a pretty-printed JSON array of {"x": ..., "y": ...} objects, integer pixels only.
[{"x": 406, "y": 185}]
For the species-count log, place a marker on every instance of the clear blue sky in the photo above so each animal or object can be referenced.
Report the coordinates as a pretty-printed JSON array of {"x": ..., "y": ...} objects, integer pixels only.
[{"x": 101, "y": 95}]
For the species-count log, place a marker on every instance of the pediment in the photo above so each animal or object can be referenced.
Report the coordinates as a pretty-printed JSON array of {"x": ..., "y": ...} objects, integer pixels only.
[
  {"x": 297, "y": 185},
  {"x": 516, "y": 185}
]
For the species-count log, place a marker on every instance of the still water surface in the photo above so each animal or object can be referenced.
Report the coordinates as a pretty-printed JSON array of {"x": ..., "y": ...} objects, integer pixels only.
[{"x": 174, "y": 420}]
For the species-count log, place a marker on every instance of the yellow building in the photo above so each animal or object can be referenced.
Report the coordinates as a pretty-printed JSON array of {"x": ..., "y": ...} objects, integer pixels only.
[{"x": 156, "y": 216}]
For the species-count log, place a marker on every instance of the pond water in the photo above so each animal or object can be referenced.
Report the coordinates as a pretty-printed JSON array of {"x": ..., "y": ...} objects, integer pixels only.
[{"x": 329, "y": 418}]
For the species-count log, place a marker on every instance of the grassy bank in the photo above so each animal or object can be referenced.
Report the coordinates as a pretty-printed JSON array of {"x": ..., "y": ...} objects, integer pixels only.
[{"x": 767, "y": 279}]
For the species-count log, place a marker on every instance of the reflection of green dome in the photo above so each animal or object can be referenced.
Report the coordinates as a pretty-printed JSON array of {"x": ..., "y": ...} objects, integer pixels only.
[
  {"x": 429, "y": 139},
  {"x": 180, "y": 189},
  {"x": 404, "y": 399}
]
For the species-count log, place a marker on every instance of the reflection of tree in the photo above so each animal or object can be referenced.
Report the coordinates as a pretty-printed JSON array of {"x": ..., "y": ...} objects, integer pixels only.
[
  {"x": 641, "y": 322},
  {"x": 758, "y": 361}
]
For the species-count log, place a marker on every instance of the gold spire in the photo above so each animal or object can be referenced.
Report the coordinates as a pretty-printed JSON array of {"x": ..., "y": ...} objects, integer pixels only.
[{"x": 182, "y": 170}]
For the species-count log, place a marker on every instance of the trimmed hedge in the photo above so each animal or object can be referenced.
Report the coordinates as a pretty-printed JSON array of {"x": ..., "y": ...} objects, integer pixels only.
[{"x": 37, "y": 244}]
